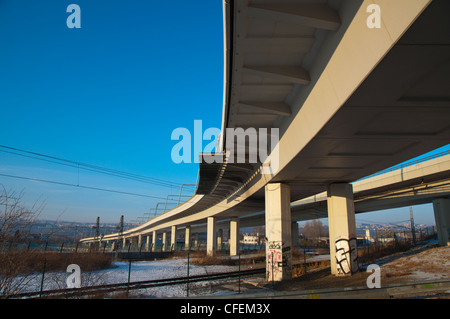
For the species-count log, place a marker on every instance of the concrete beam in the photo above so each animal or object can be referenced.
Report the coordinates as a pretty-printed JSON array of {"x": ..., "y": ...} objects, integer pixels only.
[
  {"x": 294, "y": 74},
  {"x": 277, "y": 44},
  {"x": 342, "y": 228},
  {"x": 273, "y": 108},
  {"x": 312, "y": 15},
  {"x": 278, "y": 232}
]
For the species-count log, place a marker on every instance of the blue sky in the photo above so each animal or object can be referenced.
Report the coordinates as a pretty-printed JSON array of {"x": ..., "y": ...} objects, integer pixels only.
[{"x": 109, "y": 94}]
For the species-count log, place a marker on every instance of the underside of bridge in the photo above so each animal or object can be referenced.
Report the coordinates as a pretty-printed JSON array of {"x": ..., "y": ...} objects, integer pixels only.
[
  {"x": 399, "y": 111},
  {"x": 347, "y": 100}
]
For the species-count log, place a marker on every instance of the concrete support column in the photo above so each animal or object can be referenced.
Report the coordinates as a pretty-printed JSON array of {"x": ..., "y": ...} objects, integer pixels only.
[
  {"x": 219, "y": 239},
  {"x": 196, "y": 240},
  {"x": 154, "y": 241},
  {"x": 278, "y": 232},
  {"x": 187, "y": 238},
  {"x": 147, "y": 243},
  {"x": 164, "y": 241},
  {"x": 441, "y": 207},
  {"x": 139, "y": 243},
  {"x": 234, "y": 236},
  {"x": 173, "y": 238},
  {"x": 342, "y": 227},
  {"x": 295, "y": 234},
  {"x": 124, "y": 242},
  {"x": 211, "y": 236}
]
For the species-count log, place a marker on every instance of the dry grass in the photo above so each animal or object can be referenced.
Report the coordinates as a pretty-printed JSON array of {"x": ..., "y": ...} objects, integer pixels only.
[
  {"x": 370, "y": 254},
  {"x": 399, "y": 273},
  {"x": 300, "y": 269},
  {"x": 21, "y": 262},
  {"x": 20, "y": 268},
  {"x": 221, "y": 258},
  {"x": 433, "y": 263}
]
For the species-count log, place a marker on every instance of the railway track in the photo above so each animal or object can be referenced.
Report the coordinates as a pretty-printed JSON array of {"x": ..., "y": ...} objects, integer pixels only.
[{"x": 76, "y": 292}]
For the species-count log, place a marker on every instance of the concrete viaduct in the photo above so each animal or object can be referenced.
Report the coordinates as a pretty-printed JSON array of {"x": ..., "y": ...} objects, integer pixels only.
[{"x": 352, "y": 87}]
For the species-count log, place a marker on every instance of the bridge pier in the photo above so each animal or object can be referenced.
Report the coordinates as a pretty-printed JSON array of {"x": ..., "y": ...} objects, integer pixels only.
[
  {"x": 195, "y": 241},
  {"x": 153, "y": 241},
  {"x": 441, "y": 207},
  {"x": 278, "y": 232},
  {"x": 219, "y": 239},
  {"x": 147, "y": 243},
  {"x": 211, "y": 236},
  {"x": 173, "y": 238},
  {"x": 342, "y": 228},
  {"x": 164, "y": 241},
  {"x": 187, "y": 238},
  {"x": 234, "y": 236}
]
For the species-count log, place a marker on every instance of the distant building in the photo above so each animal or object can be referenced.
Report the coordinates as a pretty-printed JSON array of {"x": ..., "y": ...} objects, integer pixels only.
[
  {"x": 251, "y": 239},
  {"x": 368, "y": 238}
]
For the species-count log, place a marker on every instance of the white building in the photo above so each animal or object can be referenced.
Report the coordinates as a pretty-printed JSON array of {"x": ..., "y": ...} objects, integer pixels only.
[{"x": 250, "y": 239}]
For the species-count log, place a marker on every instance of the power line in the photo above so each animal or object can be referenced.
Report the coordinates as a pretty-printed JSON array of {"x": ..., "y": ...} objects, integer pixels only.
[
  {"x": 88, "y": 167},
  {"x": 77, "y": 166},
  {"x": 80, "y": 186}
]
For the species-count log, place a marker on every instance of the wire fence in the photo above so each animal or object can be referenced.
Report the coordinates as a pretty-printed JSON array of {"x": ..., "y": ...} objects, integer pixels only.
[
  {"x": 117, "y": 246},
  {"x": 382, "y": 243},
  {"x": 379, "y": 237}
]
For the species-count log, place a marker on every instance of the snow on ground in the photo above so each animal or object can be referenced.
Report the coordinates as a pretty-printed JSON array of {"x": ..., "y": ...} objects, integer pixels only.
[
  {"x": 429, "y": 264},
  {"x": 163, "y": 269},
  {"x": 139, "y": 271}
]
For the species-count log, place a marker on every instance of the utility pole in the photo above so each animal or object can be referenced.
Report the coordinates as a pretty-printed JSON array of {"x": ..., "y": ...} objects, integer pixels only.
[
  {"x": 97, "y": 227},
  {"x": 120, "y": 227},
  {"x": 413, "y": 229}
]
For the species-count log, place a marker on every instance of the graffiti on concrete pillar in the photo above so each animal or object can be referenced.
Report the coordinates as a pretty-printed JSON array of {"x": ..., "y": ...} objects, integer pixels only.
[
  {"x": 279, "y": 261},
  {"x": 346, "y": 256}
]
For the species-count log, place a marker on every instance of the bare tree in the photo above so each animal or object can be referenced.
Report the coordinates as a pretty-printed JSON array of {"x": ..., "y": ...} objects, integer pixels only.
[
  {"x": 314, "y": 229},
  {"x": 15, "y": 223}
]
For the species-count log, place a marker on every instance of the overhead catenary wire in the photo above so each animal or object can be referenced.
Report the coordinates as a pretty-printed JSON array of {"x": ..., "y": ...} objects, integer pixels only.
[
  {"x": 93, "y": 168},
  {"x": 80, "y": 186},
  {"x": 87, "y": 167}
]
